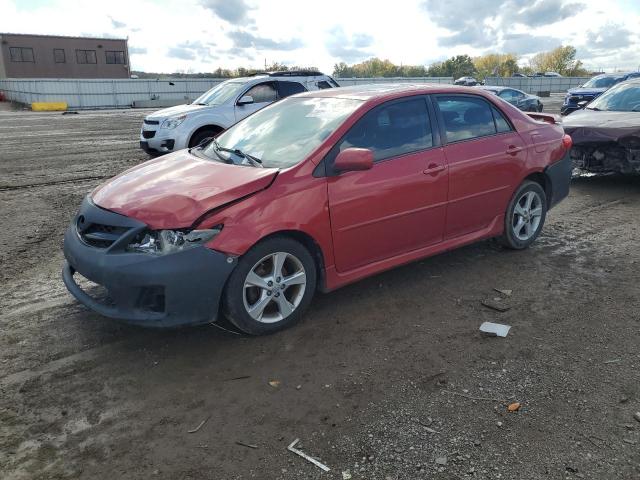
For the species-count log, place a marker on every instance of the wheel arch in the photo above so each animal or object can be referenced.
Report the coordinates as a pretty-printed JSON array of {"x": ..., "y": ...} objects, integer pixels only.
[
  {"x": 212, "y": 126},
  {"x": 543, "y": 180},
  {"x": 311, "y": 245}
]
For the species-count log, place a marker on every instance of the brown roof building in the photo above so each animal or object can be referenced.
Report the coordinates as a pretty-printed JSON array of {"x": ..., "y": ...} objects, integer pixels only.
[{"x": 47, "y": 56}]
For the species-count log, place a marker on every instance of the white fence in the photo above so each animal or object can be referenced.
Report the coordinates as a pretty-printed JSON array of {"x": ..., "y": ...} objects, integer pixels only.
[
  {"x": 122, "y": 93},
  {"x": 538, "y": 84},
  {"x": 86, "y": 94}
]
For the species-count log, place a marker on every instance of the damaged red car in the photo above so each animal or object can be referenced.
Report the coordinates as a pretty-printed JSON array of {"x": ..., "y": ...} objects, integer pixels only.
[{"x": 312, "y": 193}]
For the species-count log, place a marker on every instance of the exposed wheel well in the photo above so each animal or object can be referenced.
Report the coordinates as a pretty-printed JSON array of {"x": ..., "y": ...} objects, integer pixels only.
[
  {"x": 206, "y": 128},
  {"x": 542, "y": 180},
  {"x": 311, "y": 245}
]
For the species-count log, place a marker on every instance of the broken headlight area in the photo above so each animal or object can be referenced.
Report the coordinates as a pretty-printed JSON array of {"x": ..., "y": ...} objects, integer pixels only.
[
  {"x": 163, "y": 242},
  {"x": 617, "y": 157}
]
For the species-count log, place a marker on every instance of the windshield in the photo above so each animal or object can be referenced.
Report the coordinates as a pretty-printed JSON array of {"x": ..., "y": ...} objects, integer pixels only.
[
  {"x": 624, "y": 97},
  {"x": 219, "y": 94},
  {"x": 284, "y": 133},
  {"x": 600, "y": 82}
]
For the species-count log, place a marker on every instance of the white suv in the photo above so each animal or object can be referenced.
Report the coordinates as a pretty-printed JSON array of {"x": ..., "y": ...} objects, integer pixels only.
[{"x": 185, "y": 126}]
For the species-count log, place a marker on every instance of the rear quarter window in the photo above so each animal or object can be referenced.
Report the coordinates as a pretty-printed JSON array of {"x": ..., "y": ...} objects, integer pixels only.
[{"x": 290, "y": 88}]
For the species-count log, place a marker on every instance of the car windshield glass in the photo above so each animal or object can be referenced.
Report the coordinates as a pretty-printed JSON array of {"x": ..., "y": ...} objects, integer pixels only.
[
  {"x": 284, "y": 133},
  {"x": 219, "y": 94},
  {"x": 602, "y": 82},
  {"x": 624, "y": 97}
]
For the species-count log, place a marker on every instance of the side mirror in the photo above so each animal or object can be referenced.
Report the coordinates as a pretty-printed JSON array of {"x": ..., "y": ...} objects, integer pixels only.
[
  {"x": 245, "y": 100},
  {"x": 354, "y": 159}
]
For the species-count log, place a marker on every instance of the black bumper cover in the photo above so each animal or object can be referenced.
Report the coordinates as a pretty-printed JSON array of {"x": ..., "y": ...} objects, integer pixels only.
[
  {"x": 559, "y": 177},
  {"x": 190, "y": 282}
]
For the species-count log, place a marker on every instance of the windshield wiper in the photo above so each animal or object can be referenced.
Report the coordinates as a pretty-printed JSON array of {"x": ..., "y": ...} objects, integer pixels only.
[
  {"x": 256, "y": 162},
  {"x": 200, "y": 103},
  {"x": 593, "y": 108}
]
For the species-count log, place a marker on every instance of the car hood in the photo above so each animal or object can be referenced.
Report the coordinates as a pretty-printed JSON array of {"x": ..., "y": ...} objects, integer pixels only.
[
  {"x": 177, "y": 110},
  {"x": 594, "y": 126},
  {"x": 173, "y": 191},
  {"x": 586, "y": 91}
]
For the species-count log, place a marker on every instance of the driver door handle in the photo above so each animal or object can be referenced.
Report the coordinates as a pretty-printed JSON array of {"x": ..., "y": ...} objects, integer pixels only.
[{"x": 433, "y": 169}]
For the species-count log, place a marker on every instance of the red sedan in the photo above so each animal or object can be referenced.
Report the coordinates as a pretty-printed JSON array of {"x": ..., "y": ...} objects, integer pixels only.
[{"x": 314, "y": 192}]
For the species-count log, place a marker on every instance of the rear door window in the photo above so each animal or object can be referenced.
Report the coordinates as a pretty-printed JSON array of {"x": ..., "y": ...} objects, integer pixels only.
[
  {"x": 392, "y": 129},
  {"x": 290, "y": 88},
  {"x": 465, "y": 117}
]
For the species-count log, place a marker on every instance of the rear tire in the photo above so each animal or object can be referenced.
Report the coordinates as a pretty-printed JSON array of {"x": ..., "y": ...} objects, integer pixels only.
[
  {"x": 525, "y": 216},
  {"x": 271, "y": 287}
]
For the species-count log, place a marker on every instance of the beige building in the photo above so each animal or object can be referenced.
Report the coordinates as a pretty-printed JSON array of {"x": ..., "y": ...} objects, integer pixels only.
[{"x": 47, "y": 56}]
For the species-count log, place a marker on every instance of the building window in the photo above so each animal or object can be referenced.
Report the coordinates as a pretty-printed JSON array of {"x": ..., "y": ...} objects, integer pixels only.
[
  {"x": 115, "y": 57},
  {"x": 86, "y": 56},
  {"x": 21, "y": 54},
  {"x": 58, "y": 55}
]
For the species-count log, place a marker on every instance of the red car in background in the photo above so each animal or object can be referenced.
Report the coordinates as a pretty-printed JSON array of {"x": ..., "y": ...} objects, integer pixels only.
[{"x": 314, "y": 192}]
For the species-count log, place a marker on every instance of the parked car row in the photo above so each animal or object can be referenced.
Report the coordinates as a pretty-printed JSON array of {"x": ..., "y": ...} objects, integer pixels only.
[
  {"x": 312, "y": 192},
  {"x": 577, "y": 98}
]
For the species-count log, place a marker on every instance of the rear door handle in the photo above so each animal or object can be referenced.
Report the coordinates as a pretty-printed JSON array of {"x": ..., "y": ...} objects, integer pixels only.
[
  {"x": 433, "y": 169},
  {"x": 512, "y": 149}
]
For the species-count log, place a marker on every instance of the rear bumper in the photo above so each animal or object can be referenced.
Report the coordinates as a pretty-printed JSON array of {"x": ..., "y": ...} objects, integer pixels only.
[
  {"x": 559, "y": 176},
  {"x": 172, "y": 290}
]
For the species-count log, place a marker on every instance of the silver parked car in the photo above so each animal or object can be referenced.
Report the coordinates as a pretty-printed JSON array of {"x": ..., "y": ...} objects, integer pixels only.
[{"x": 186, "y": 126}]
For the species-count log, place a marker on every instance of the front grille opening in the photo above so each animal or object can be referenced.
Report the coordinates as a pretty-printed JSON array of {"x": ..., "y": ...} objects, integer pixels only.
[
  {"x": 148, "y": 133},
  {"x": 152, "y": 299},
  {"x": 151, "y": 122},
  {"x": 101, "y": 236}
]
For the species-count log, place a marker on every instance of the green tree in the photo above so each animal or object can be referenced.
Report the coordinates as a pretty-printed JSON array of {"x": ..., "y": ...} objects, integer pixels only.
[{"x": 561, "y": 60}]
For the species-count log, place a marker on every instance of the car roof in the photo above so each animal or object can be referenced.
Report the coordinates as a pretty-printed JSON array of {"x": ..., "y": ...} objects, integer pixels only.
[
  {"x": 388, "y": 90},
  {"x": 277, "y": 76}
]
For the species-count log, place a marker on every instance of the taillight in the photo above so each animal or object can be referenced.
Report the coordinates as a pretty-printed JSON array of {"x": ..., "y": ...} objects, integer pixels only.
[{"x": 567, "y": 142}]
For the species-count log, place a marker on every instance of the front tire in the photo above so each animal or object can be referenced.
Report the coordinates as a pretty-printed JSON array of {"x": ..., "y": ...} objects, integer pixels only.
[
  {"x": 271, "y": 287},
  {"x": 525, "y": 216},
  {"x": 201, "y": 136}
]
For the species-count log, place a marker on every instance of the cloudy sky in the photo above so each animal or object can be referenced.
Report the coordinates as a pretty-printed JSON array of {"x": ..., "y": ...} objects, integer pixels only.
[{"x": 201, "y": 35}]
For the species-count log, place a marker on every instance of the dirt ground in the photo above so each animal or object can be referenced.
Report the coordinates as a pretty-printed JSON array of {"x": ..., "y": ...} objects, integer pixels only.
[{"x": 385, "y": 379}]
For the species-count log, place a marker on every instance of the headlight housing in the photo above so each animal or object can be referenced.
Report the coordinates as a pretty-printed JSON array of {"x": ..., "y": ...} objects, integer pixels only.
[
  {"x": 173, "y": 122},
  {"x": 164, "y": 242}
]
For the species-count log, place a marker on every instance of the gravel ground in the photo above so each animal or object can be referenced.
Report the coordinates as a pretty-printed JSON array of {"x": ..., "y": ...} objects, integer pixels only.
[{"x": 386, "y": 379}]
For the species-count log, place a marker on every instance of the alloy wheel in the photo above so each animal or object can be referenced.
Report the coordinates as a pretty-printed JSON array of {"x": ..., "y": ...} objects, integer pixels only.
[
  {"x": 274, "y": 287},
  {"x": 527, "y": 215}
]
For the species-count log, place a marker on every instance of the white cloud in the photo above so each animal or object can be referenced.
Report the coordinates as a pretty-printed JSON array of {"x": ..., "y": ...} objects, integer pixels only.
[{"x": 202, "y": 35}]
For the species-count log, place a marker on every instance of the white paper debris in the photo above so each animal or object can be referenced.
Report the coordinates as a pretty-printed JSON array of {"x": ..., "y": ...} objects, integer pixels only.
[{"x": 496, "y": 329}]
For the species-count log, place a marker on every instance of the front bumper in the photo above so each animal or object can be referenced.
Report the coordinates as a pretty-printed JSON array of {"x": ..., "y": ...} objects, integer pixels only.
[
  {"x": 155, "y": 140},
  {"x": 171, "y": 290}
]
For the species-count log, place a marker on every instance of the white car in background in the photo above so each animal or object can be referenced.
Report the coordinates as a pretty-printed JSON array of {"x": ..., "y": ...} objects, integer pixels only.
[{"x": 186, "y": 126}]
